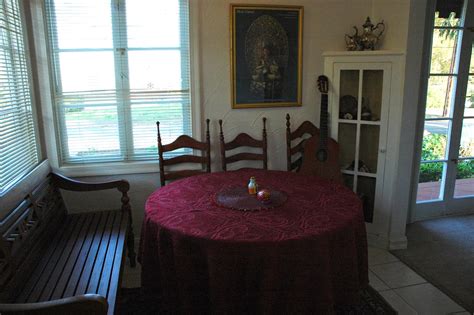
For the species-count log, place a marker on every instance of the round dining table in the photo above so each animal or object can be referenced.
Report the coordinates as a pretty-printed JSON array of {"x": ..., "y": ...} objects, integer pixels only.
[{"x": 304, "y": 256}]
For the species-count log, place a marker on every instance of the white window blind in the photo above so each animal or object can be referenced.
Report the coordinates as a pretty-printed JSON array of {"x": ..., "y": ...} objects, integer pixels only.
[
  {"x": 119, "y": 66},
  {"x": 18, "y": 146}
]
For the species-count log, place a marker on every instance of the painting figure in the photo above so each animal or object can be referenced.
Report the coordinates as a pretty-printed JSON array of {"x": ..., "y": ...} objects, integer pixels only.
[
  {"x": 266, "y": 78},
  {"x": 266, "y": 47}
]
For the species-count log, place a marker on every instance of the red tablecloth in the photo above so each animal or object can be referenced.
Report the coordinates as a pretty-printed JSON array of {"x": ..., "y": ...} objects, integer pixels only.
[{"x": 303, "y": 257}]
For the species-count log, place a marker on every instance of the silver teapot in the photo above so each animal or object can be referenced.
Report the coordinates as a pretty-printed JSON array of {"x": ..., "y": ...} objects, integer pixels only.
[{"x": 368, "y": 39}]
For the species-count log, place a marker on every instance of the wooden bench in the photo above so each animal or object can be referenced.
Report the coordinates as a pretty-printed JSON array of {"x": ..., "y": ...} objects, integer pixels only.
[{"x": 54, "y": 262}]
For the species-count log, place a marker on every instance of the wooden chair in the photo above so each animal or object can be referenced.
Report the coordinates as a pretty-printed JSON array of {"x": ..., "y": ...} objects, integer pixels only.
[
  {"x": 306, "y": 128},
  {"x": 184, "y": 141},
  {"x": 243, "y": 140}
]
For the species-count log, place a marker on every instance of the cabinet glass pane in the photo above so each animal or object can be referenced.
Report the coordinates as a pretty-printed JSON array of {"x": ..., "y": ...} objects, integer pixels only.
[
  {"x": 368, "y": 148},
  {"x": 372, "y": 95},
  {"x": 349, "y": 92},
  {"x": 366, "y": 191},
  {"x": 348, "y": 180},
  {"x": 347, "y": 145}
]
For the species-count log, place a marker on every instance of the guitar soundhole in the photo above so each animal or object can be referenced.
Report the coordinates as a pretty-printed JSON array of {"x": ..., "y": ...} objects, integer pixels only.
[{"x": 322, "y": 155}]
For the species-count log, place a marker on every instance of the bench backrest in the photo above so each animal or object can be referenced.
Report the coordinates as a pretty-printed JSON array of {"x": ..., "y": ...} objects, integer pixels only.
[{"x": 24, "y": 233}]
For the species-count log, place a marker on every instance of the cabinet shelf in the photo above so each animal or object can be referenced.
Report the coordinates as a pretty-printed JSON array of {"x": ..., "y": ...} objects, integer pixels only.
[
  {"x": 373, "y": 175},
  {"x": 357, "y": 121}
]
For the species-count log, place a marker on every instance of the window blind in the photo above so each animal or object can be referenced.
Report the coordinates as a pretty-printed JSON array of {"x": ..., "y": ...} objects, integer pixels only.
[
  {"x": 119, "y": 66},
  {"x": 18, "y": 146}
]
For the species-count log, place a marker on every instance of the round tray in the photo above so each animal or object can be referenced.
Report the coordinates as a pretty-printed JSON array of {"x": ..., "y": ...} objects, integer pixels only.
[{"x": 238, "y": 198}]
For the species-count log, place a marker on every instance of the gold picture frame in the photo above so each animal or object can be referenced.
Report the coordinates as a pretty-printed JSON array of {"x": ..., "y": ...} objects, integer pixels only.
[{"x": 266, "y": 55}]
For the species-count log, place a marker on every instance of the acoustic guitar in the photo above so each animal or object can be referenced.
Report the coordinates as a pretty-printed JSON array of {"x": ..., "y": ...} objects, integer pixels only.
[{"x": 321, "y": 153}]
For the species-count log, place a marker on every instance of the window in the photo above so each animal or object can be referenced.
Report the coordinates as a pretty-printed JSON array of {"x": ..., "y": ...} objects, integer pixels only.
[
  {"x": 18, "y": 145},
  {"x": 119, "y": 66}
]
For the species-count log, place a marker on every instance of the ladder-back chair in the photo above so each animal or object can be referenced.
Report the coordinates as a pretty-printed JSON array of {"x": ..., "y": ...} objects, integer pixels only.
[
  {"x": 294, "y": 155},
  {"x": 243, "y": 140},
  {"x": 183, "y": 141}
]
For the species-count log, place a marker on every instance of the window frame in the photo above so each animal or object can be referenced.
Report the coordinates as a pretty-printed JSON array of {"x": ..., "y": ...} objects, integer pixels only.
[
  {"x": 121, "y": 167},
  {"x": 35, "y": 111}
]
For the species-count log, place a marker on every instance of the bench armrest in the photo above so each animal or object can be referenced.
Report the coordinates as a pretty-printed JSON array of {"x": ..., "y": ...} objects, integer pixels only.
[
  {"x": 123, "y": 186},
  {"x": 81, "y": 304},
  {"x": 74, "y": 185}
]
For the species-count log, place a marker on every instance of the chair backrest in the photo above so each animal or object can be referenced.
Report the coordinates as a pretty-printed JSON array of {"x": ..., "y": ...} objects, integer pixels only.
[
  {"x": 184, "y": 141},
  {"x": 243, "y": 140},
  {"x": 296, "y": 152}
]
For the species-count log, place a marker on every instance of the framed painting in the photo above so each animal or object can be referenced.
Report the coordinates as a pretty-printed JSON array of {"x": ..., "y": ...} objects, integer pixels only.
[{"x": 266, "y": 55}]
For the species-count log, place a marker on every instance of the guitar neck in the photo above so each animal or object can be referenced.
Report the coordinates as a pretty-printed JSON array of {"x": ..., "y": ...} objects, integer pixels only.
[{"x": 323, "y": 122}]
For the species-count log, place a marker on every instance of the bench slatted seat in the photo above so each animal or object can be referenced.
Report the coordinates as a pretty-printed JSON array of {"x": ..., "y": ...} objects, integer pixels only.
[{"x": 55, "y": 262}]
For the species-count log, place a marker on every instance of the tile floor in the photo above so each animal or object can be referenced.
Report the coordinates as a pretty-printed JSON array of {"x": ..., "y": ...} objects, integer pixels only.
[{"x": 404, "y": 289}]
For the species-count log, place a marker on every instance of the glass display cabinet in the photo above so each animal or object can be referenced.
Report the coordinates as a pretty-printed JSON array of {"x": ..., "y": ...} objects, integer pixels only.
[{"x": 361, "y": 98}]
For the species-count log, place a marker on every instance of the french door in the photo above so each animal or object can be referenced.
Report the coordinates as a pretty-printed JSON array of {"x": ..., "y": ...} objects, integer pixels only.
[{"x": 446, "y": 172}]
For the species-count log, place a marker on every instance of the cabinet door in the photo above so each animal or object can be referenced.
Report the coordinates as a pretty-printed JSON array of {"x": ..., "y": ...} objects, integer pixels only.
[{"x": 359, "y": 123}]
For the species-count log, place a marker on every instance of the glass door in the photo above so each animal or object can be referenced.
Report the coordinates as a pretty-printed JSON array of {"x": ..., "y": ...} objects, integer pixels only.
[{"x": 446, "y": 174}]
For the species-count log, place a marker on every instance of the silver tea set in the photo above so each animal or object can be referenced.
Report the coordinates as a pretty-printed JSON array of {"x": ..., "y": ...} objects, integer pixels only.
[{"x": 368, "y": 39}]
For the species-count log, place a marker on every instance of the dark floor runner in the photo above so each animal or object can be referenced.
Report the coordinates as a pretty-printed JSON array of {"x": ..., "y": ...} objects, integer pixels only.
[
  {"x": 442, "y": 252},
  {"x": 132, "y": 301}
]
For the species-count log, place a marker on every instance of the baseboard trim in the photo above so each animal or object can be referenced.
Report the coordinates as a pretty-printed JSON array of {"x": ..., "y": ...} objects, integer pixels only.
[{"x": 400, "y": 243}]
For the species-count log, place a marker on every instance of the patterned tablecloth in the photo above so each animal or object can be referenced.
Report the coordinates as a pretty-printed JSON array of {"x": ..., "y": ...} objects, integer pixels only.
[{"x": 304, "y": 256}]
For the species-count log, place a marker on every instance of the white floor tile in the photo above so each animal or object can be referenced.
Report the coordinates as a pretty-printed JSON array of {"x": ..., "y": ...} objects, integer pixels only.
[
  {"x": 426, "y": 299},
  {"x": 396, "y": 275},
  {"x": 379, "y": 256},
  {"x": 376, "y": 283},
  {"x": 398, "y": 303}
]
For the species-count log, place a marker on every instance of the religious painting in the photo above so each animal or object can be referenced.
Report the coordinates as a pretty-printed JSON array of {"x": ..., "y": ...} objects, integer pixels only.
[{"x": 266, "y": 55}]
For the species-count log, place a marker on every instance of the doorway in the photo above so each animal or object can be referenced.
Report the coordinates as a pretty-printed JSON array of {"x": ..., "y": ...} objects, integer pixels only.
[{"x": 446, "y": 176}]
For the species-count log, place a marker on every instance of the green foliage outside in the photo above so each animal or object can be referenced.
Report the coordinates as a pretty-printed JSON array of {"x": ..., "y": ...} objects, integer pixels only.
[{"x": 433, "y": 148}]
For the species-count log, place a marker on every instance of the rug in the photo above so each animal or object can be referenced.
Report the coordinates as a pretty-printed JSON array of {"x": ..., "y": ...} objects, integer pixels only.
[
  {"x": 133, "y": 302},
  {"x": 442, "y": 251}
]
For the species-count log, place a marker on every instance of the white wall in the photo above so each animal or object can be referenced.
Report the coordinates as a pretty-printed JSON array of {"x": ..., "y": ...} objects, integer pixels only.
[{"x": 325, "y": 23}]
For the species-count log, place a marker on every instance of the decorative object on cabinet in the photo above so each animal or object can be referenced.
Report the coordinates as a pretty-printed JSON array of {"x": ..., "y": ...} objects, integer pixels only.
[
  {"x": 370, "y": 82},
  {"x": 362, "y": 167},
  {"x": 354, "y": 42},
  {"x": 366, "y": 113},
  {"x": 369, "y": 38},
  {"x": 348, "y": 107},
  {"x": 266, "y": 55}
]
